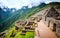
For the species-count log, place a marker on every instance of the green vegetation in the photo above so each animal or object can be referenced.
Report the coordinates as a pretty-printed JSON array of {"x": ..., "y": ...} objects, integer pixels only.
[
  {"x": 28, "y": 35},
  {"x": 12, "y": 32}
]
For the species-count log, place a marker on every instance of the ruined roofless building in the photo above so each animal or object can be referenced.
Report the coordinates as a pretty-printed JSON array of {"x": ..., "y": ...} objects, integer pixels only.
[
  {"x": 50, "y": 16},
  {"x": 20, "y": 24},
  {"x": 52, "y": 13},
  {"x": 52, "y": 19},
  {"x": 25, "y": 25}
]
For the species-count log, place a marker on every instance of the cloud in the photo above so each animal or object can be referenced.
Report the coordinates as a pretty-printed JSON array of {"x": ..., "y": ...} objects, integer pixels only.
[
  {"x": 19, "y": 3},
  {"x": 48, "y": 2}
]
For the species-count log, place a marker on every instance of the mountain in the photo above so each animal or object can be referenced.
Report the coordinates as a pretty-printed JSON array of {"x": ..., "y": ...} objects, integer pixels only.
[
  {"x": 54, "y": 4},
  {"x": 1, "y": 16},
  {"x": 42, "y": 4},
  {"x": 24, "y": 7},
  {"x": 5, "y": 13},
  {"x": 6, "y": 9}
]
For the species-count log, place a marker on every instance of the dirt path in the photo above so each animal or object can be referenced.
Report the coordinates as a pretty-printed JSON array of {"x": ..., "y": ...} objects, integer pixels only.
[{"x": 42, "y": 31}]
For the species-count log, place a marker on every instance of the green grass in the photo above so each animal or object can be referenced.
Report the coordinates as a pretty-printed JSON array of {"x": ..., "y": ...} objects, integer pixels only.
[
  {"x": 17, "y": 35},
  {"x": 10, "y": 32},
  {"x": 28, "y": 35}
]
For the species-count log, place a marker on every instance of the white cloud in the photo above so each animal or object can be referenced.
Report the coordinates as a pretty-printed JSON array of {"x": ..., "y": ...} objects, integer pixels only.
[
  {"x": 30, "y": 6},
  {"x": 48, "y": 2},
  {"x": 19, "y": 3}
]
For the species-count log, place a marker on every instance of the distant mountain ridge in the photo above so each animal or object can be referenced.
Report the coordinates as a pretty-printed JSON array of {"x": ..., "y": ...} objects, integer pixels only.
[{"x": 5, "y": 12}]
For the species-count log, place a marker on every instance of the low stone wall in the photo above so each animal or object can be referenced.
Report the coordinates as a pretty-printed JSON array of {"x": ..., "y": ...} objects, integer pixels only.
[
  {"x": 58, "y": 28},
  {"x": 58, "y": 31}
]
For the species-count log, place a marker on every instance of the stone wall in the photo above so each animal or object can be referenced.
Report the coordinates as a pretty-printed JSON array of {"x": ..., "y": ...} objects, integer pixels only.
[{"x": 58, "y": 29}]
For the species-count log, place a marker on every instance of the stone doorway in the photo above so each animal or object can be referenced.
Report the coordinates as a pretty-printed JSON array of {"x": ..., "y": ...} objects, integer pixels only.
[
  {"x": 54, "y": 27},
  {"x": 48, "y": 23}
]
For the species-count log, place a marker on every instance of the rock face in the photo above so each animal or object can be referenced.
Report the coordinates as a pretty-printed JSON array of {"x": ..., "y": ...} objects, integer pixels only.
[{"x": 52, "y": 18}]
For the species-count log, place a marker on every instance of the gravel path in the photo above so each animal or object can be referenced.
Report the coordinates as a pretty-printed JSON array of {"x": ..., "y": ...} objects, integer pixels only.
[{"x": 42, "y": 31}]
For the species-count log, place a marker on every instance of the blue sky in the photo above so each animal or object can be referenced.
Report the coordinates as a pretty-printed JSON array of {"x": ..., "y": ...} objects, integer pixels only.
[{"x": 19, "y": 3}]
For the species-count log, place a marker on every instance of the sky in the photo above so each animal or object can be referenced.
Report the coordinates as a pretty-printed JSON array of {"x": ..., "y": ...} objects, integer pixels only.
[{"x": 19, "y": 3}]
